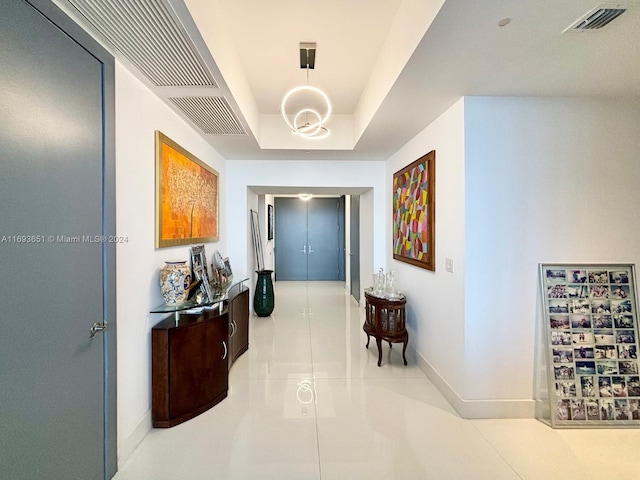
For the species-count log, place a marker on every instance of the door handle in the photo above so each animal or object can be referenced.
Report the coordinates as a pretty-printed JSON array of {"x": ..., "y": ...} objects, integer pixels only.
[
  {"x": 225, "y": 350},
  {"x": 310, "y": 249},
  {"x": 97, "y": 327},
  {"x": 304, "y": 249}
]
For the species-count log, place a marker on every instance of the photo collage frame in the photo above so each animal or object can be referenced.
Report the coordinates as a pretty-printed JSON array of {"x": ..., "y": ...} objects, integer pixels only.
[{"x": 591, "y": 344}]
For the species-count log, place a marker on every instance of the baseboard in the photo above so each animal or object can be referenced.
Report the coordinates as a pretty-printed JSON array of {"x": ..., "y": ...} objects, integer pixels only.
[
  {"x": 471, "y": 409},
  {"x": 129, "y": 444}
]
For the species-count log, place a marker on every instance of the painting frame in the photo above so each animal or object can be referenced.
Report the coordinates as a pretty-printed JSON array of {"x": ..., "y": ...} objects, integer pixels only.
[
  {"x": 187, "y": 196},
  {"x": 269, "y": 222},
  {"x": 587, "y": 367},
  {"x": 414, "y": 212}
]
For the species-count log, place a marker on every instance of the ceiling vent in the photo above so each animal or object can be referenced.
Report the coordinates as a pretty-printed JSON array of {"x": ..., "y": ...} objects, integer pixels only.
[
  {"x": 212, "y": 115},
  {"x": 597, "y": 18},
  {"x": 150, "y": 36}
]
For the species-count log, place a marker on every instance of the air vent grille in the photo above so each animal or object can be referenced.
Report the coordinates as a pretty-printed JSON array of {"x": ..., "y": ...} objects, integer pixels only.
[
  {"x": 212, "y": 115},
  {"x": 151, "y": 38},
  {"x": 598, "y": 18}
]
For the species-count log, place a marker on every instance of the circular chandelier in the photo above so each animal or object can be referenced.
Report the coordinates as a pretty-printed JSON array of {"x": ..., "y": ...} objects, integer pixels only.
[{"x": 306, "y": 109}]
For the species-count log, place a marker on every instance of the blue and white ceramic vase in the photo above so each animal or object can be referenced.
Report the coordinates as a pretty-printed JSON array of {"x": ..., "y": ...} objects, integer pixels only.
[{"x": 175, "y": 278}]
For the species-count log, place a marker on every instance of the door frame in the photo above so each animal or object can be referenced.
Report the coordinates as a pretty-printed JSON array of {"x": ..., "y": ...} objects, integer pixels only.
[
  {"x": 354, "y": 246},
  {"x": 109, "y": 337},
  {"x": 340, "y": 235}
]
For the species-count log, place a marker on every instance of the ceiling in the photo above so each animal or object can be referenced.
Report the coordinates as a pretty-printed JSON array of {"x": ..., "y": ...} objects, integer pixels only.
[{"x": 390, "y": 67}]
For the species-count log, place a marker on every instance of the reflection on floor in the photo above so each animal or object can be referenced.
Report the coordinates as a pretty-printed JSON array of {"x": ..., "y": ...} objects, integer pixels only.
[{"x": 307, "y": 401}]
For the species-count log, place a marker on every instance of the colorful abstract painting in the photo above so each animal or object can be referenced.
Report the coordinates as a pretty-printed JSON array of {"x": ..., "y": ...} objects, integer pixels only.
[
  {"x": 414, "y": 213},
  {"x": 186, "y": 196}
]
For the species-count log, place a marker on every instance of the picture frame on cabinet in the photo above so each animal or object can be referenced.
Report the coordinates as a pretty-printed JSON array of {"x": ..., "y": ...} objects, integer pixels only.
[
  {"x": 227, "y": 267},
  {"x": 205, "y": 287},
  {"x": 199, "y": 259},
  {"x": 215, "y": 277},
  {"x": 199, "y": 268},
  {"x": 220, "y": 275}
]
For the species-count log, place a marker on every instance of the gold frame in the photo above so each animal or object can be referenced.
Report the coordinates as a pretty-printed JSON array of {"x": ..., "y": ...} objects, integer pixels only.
[{"x": 187, "y": 196}]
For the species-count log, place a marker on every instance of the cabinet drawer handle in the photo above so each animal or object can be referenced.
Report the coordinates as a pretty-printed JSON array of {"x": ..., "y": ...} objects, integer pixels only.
[
  {"x": 225, "y": 350},
  {"x": 233, "y": 328}
]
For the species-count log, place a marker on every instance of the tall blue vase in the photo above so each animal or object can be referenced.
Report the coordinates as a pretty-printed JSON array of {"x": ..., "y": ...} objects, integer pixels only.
[{"x": 264, "y": 298}]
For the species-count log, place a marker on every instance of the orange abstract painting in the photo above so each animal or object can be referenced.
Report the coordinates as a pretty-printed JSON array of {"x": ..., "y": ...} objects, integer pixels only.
[{"x": 186, "y": 197}]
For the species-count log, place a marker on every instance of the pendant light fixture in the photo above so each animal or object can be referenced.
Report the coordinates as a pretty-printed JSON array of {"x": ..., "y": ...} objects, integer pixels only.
[{"x": 305, "y": 109}]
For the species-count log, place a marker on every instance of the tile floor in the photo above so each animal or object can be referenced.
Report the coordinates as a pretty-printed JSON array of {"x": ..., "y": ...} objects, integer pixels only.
[{"x": 307, "y": 402}]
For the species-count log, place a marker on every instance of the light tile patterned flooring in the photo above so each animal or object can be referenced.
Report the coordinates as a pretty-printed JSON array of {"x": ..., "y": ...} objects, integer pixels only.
[{"x": 308, "y": 402}]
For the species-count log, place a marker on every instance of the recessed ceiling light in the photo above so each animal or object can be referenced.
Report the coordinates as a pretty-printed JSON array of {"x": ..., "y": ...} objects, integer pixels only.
[{"x": 504, "y": 22}]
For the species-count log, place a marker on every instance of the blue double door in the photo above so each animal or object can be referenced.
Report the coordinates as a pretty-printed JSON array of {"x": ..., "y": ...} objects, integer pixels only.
[{"x": 309, "y": 239}]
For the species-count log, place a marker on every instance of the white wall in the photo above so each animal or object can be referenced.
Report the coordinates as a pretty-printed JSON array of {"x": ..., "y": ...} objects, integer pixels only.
[
  {"x": 242, "y": 175},
  {"x": 519, "y": 181},
  {"x": 435, "y": 300},
  {"x": 138, "y": 114},
  {"x": 547, "y": 180},
  {"x": 370, "y": 213}
]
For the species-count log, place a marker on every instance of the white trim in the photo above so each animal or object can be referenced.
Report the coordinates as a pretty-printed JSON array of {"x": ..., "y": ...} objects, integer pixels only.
[
  {"x": 133, "y": 441},
  {"x": 494, "y": 408}
]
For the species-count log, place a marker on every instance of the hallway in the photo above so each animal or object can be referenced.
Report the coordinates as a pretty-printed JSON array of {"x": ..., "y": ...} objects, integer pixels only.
[{"x": 307, "y": 401}]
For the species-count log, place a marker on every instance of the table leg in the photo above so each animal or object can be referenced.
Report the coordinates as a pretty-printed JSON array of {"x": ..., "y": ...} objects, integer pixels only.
[
  {"x": 404, "y": 349},
  {"x": 379, "y": 343}
]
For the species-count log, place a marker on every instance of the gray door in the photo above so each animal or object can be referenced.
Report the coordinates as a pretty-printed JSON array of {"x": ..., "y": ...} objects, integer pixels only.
[
  {"x": 290, "y": 236},
  {"x": 323, "y": 241},
  {"x": 354, "y": 246},
  {"x": 53, "y": 149},
  {"x": 307, "y": 239}
]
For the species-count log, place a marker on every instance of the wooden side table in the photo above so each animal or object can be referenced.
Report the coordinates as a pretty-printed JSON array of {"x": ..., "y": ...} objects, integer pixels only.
[{"x": 385, "y": 320}]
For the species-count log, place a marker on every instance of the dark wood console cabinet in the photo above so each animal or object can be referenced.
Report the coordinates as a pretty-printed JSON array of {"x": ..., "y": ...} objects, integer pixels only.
[
  {"x": 191, "y": 356},
  {"x": 238, "y": 322},
  {"x": 189, "y": 366}
]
